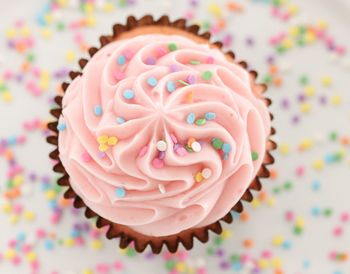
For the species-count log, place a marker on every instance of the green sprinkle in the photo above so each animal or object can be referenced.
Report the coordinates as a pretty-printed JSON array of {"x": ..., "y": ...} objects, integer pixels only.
[
  {"x": 267, "y": 79},
  {"x": 255, "y": 155},
  {"x": 304, "y": 80},
  {"x": 206, "y": 75},
  {"x": 280, "y": 49},
  {"x": 195, "y": 62},
  {"x": 183, "y": 82},
  {"x": 210, "y": 251},
  {"x": 333, "y": 136},
  {"x": 170, "y": 265},
  {"x": 217, "y": 143},
  {"x": 328, "y": 212},
  {"x": 218, "y": 240},
  {"x": 172, "y": 46},
  {"x": 201, "y": 122},
  {"x": 235, "y": 258},
  {"x": 297, "y": 230},
  {"x": 288, "y": 185},
  {"x": 276, "y": 190},
  {"x": 130, "y": 252}
]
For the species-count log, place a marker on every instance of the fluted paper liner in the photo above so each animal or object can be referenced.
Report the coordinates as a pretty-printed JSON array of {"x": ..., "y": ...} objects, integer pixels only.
[{"x": 126, "y": 234}]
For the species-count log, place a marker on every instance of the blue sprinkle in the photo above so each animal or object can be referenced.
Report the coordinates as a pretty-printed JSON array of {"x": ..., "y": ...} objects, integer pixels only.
[
  {"x": 152, "y": 81},
  {"x": 21, "y": 236},
  {"x": 98, "y": 110},
  {"x": 316, "y": 185},
  {"x": 287, "y": 245},
  {"x": 170, "y": 86},
  {"x": 128, "y": 94},
  {"x": 120, "y": 192},
  {"x": 61, "y": 126},
  {"x": 190, "y": 118},
  {"x": 121, "y": 60},
  {"x": 330, "y": 158},
  {"x": 315, "y": 211},
  {"x": 120, "y": 120},
  {"x": 306, "y": 264},
  {"x": 226, "y": 148},
  {"x": 237, "y": 266},
  {"x": 48, "y": 244},
  {"x": 12, "y": 140},
  {"x": 210, "y": 116}
]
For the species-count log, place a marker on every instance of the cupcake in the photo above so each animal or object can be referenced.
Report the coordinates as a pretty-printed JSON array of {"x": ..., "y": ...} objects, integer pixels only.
[{"x": 161, "y": 135}]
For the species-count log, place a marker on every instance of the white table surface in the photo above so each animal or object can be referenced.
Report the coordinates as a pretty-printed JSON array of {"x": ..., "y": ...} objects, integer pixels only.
[{"x": 311, "y": 248}]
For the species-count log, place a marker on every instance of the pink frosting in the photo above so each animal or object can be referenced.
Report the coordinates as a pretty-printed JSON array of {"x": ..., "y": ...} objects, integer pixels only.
[{"x": 160, "y": 191}]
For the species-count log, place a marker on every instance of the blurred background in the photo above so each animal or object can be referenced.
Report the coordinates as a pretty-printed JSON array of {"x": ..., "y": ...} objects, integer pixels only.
[{"x": 299, "y": 223}]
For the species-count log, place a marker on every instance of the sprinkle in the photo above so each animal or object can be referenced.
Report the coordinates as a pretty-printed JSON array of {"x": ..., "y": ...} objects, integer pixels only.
[
  {"x": 120, "y": 120},
  {"x": 151, "y": 61},
  {"x": 128, "y": 94},
  {"x": 255, "y": 155},
  {"x": 196, "y": 146},
  {"x": 181, "y": 151},
  {"x": 195, "y": 62},
  {"x": 190, "y": 118},
  {"x": 103, "y": 147},
  {"x": 170, "y": 86},
  {"x": 207, "y": 75},
  {"x": 191, "y": 79},
  {"x": 161, "y": 188},
  {"x": 143, "y": 151},
  {"x": 157, "y": 163},
  {"x": 120, "y": 192},
  {"x": 198, "y": 177},
  {"x": 226, "y": 148},
  {"x": 161, "y": 145},
  {"x": 98, "y": 110},
  {"x": 152, "y": 81},
  {"x": 172, "y": 47},
  {"x": 183, "y": 82},
  {"x": 210, "y": 116},
  {"x": 206, "y": 173},
  {"x": 61, "y": 126},
  {"x": 121, "y": 60},
  {"x": 103, "y": 139},
  {"x": 112, "y": 141},
  {"x": 217, "y": 143},
  {"x": 201, "y": 122}
]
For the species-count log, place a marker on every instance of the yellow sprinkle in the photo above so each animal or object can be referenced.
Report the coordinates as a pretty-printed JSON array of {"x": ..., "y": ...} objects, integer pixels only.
[
  {"x": 189, "y": 97},
  {"x": 336, "y": 100},
  {"x": 88, "y": 8},
  {"x": 318, "y": 164},
  {"x": 28, "y": 215},
  {"x": 103, "y": 148},
  {"x": 255, "y": 203},
  {"x": 322, "y": 24},
  {"x": 215, "y": 9},
  {"x": 7, "y": 208},
  {"x": 310, "y": 37},
  {"x": 14, "y": 219},
  {"x": 96, "y": 244},
  {"x": 70, "y": 56},
  {"x": 46, "y": 33},
  {"x": 9, "y": 254},
  {"x": 87, "y": 271},
  {"x": 293, "y": 31},
  {"x": 31, "y": 256},
  {"x": 271, "y": 201},
  {"x": 112, "y": 141},
  {"x": 287, "y": 43},
  {"x": 305, "y": 107},
  {"x": 50, "y": 194},
  {"x": 299, "y": 222},
  {"x": 103, "y": 139},
  {"x": 48, "y": 19},
  {"x": 310, "y": 91},
  {"x": 180, "y": 267},
  {"x": 43, "y": 84},
  {"x": 263, "y": 263},
  {"x": 278, "y": 240},
  {"x": 108, "y": 7},
  {"x": 63, "y": 3},
  {"x": 7, "y": 96},
  {"x": 306, "y": 144},
  {"x": 326, "y": 81},
  {"x": 276, "y": 263},
  {"x": 293, "y": 9},
  {"x": 226, "y": 234},
  {"x": 18, "y": 180},
  {"x": 284, "y": 148},
  {"x": 25, "y": 31},
  {"x": 90, "y": 21},
  {"x": 11, "y": 33},
  {"x": 198, "y": 177},
  {"x": 69, "y": 242}
]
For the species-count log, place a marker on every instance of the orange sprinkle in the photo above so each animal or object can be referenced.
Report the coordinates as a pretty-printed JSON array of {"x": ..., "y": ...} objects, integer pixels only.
[
  {"x": 244, "y": 216},
  {"x": 277, "y": 81},
  {"x": 273, "y": 173},
  {"x": 273, "y": 69},
  {"x": 262, "y": 195},
  {"x": 221, "y": 23},
  {"x": 25, "y": 66},
  {"x": 8, "y": 154},
  {"x": 345, "y": 140},
  {"x": 248, "y": 243},
  {"x": 64, "y": 202},
  {"x": 233, "y": 6},
  {"x": 13, "y": 193},
  {"x": 279, "y": 271}
]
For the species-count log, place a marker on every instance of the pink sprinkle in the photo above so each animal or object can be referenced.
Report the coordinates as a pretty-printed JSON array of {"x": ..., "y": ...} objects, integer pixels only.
[
  {"x": 345, "y": 217},
  {"x": 12, "y": 243},
  {"x": 183, "y": 255},
  {"x": 26, "y": 248},
  {"x": 34, "y": 265},
  {"x": 118, "y": 265},
  {"x": 40, "y": 233},
  {"x": 340, "y": 50},
  {"x": 167, "y": 256},
  {"x": 173, "y": 138},
  {"x": 333, "y": 255},
  {"x": 16, "y": 260},
  {"x": 275, "y": 12},
  {"x": 17, "y": 209},
  {"x": 157, "y": 163},
  {"x": 161, "y": 51},
  {"x": 85, "y": 156},
  {"x": 102, "y": 268},
  {"x": 79, "y": 241},
  {"x": 21, "y": 139},
  {"x": 143, "y": 151},
  {"x": 119, "y": 75},
  {"x": 55, "y": 217},
  {"x": 128, "y": 54},
  {"x": 266, "y": 254},
  {"x": 210, "y": 60},
  {"x": 299, "y": 171},
  {"x": 181, "y": 151},
  {"x": 285, "y": 17},
  {"x": 289, "y": 216},
  {"x": 8, "y": 75},
  {"x": 202, "y": 270},
  {"x": 338, "y": 231}
]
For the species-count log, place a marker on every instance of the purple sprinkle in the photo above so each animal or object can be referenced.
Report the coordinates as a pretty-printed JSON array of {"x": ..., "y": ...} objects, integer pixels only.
[
  {"x": 250, "y": 41},
  {"x": 301, "y": 97},
  {"x": 32, "y": 176},
  {"x": 227, "y": 40},
  {"x": 224, "y": 265},
  {"x": 101, "y": 154},
  {"x": 323, "y": 100},
  {"x": 45, "y": 179},
  {"x": 220, "y": 252},
  {"x": 285, "y": 103},
  {"x": 193, "y": 3},
  {"x": 150, "y": 61},
  {"x": 174, "y": 68},
  {"x": 191, "y": 79},
  {"x": 295, "y": 119},
  {"x": 161, "y": 155},
  {"x": 270, "y": 59}
]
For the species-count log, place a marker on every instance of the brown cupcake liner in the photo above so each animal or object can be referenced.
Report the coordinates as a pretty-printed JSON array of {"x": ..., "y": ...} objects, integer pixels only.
[{"x": 126, "y": 234}]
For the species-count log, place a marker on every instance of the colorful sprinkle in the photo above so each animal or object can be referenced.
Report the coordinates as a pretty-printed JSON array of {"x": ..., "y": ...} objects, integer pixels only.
[
  {"x": 170, "y": 85},
  {"x": 120, "y": 192},
  {"x": 207, "y": 75},
  {"x": 255, "y": 155},
  {"x": 128, "y": 94},
  {"x": 98, "y": 110},
  {"x": 172, "y": 46},
  {"x": 152, "y": 81},
  {"x": 121, "y": 60},
  {"x": 190, "y": 118},
  {"x": 161, "y": 145}
]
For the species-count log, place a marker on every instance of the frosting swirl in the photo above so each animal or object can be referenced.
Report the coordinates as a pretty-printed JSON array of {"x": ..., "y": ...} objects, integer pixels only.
[{"x": 161, "y": 133}]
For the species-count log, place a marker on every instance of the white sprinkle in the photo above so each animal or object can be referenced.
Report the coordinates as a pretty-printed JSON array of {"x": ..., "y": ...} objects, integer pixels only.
[
  {"x": 161, "y": 188},
  {"x": 161, "y": 145},
  {"x": 206, "y": 173},
  {"x": 196, "y": 146}
]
